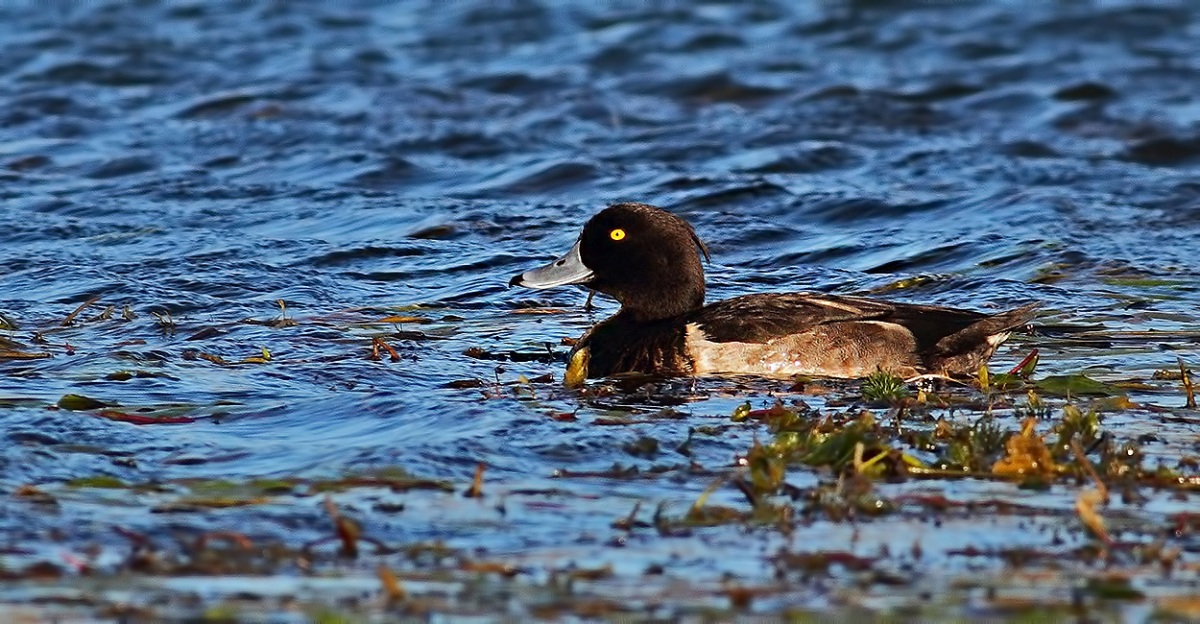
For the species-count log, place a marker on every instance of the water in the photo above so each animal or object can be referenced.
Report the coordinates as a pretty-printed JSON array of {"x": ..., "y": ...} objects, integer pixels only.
[{"x": 364, "y": 160}]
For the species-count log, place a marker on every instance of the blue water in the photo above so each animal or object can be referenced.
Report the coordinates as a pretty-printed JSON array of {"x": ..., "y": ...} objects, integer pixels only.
[{"x": 365, "y": 160}]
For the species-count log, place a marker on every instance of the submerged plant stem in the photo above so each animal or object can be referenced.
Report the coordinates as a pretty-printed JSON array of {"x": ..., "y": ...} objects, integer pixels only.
[
  {"x": 1187, "y": 385},
  {"x": 74, "y": 313}
]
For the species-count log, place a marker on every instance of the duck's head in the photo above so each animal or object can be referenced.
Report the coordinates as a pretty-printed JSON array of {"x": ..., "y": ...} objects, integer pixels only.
[{"x": 645, "y": 257}]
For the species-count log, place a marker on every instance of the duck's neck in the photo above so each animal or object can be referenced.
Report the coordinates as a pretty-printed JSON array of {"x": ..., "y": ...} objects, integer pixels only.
[{"x": 661, "y": 304}]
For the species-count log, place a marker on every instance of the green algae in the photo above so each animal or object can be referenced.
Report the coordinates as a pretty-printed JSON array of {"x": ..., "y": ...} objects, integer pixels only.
[{"x": 99, "y": 481}]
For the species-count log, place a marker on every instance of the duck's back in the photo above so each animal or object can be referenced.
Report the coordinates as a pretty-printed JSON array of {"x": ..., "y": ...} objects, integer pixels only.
[{"x": 827, "y": 335}]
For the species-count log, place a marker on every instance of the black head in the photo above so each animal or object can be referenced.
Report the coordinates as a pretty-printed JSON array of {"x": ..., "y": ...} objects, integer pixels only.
[{"x": 642, "y": 256}]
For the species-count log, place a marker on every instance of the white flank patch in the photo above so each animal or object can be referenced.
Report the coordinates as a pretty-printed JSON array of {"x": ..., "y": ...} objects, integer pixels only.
[{"x": 819, "y": 352}]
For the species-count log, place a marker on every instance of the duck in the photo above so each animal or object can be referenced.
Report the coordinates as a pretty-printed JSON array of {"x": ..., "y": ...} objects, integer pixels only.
[{"x": 649, "y": 260}]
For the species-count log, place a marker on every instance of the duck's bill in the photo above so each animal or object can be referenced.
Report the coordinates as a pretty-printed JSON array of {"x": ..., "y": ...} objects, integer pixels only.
[{"x": 568, "y": 269}]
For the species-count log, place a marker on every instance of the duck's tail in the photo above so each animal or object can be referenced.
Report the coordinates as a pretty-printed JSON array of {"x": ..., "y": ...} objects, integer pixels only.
[{"x": 962, "y": 352}]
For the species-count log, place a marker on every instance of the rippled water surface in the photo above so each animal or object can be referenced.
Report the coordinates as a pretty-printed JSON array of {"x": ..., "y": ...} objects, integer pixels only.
[{"x": 188, "y": 166}]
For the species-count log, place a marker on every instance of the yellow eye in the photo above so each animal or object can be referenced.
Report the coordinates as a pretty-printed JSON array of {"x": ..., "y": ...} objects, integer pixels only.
[{"x": 617, "y": 234}]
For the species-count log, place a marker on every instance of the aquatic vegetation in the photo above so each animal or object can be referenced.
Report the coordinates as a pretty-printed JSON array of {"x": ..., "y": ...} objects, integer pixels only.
[
  {"x": 1026, "y": 456},
  {"x": 577, "y": 369},
  {"x": 97, "y": 482},
  {"x": 886, "y": 388},
  {"x": 806, "y": 453},
  {"x": 78, "y": 402},
  {"x": 1186, "y": 377},
  {"x": 1075, "y": 385}
]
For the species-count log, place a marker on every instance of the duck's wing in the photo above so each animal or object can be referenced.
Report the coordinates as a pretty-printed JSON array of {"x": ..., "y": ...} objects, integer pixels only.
[
  {"x": 941, "y": 338},
  {"x": 764, "y": 317}
]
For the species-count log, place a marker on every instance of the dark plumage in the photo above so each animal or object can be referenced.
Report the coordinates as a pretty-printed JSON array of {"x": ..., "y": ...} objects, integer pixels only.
[{"x": 649, "y": 260}]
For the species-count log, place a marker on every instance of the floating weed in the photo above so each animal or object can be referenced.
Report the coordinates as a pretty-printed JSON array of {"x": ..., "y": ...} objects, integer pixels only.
[
  {"x": 1026, "y": 455},
  {"x": 272, "y": 486},
  {"x": 984, "y": 378},
  {"x": 378, "y": 344},
  {"x": 204, "y": 334},
  {"x": 224, "y": 488},
  {"x": 767, "y": 469},
  {"x": 394, "y": 478},
  {"x": 126, "y": 375},
  {"x": 714, "y": 515},
  {"x": 222, "y": 612},
  {"x": 778, "y": 417},
  {"x": 476, "y": 489},
  {"x": 822, "y": 562},
  {"x": 1051, "y": 272},
  {"x": 971, "y": 447},
  {"x": 326, "y": 615},
  {"x": 702, "y": 514},
  {"x": 846, "y": 453},
  {"x": 744, "y": 412},
  {"x": 1115, "y": 404},
  {"x": 211, "y": 357},
  {"x": 884, "y": 387},
  {"x": 1122, "y": 460},
  {"x": 1026, "y": 367},
  {"x": 80, "y": 403},
  {"x": 836, "y": 443},
  {"x": 258, "y": 359},
  {"x": 263, "y": 358},
  {"x": 479, "y": 353},
  {"x": 851, "y": 495},
  {"x": 1076, "y": 426},
  {"x": 1113, "y": 587},
  {"x": 348, "y": 531},
  {"x": 283, "y": 320},
  {"x": 644, "y": 447},
  {"x": 1166, "y": 374},
  {"x": 906, "y": 283},
  {"x": 630, "y": 522},
  {"x": 1004, "y": 382},
  {"x": 104, "y": 315},
  {"x": 577, "y": 369},
  {"x": 393, "y": 591},
  {"x": 836, "y": 448},
  {"x": 870, "y": 466},
  {"x": 99, "y": 481},
  {"x": 1142, "y": 282},
  {"x": 1076, "y": 385},
  {"x": 1088, "y": 500},
  {"x": 19, "y": 355},
  {"x": 138, "y": 419},
  {"x": 32, "y": 494},
  {"x": 74, "y": 313},
  {"x": 400, "y": 319},
  {"x": 166, "y": 324},
  {"x": 162, "y": 414},
  {"x": 279, "y": 322},
  {"x": 226, "y": 493},
  {"x": 195, "y": 504},
  {"x": 1034, "y": 407},
  {"x": 1189, "y": 391},
  {"x": 989, "y": 382}
]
